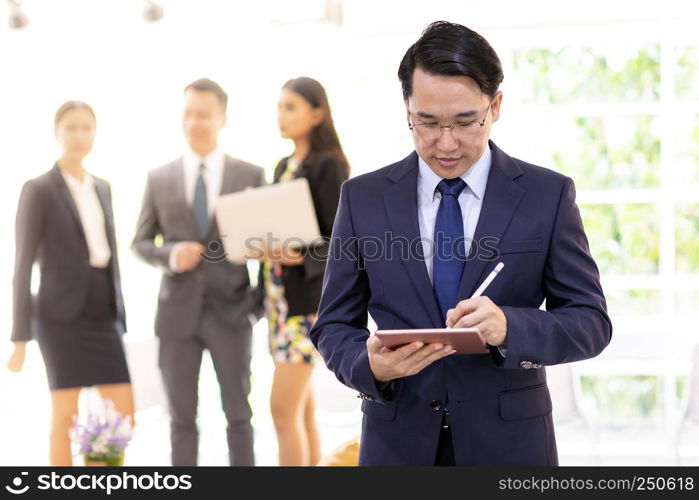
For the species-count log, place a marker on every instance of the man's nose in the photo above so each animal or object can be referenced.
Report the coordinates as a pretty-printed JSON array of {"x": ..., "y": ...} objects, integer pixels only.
[{"x": 446, "y": 140}]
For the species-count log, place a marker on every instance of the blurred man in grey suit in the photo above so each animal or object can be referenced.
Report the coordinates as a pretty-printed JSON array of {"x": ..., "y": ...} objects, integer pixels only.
[{"x": 205, "y": 302}]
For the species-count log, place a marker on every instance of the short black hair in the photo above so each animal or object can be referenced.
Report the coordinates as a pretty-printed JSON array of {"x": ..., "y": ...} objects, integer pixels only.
[
  {"x": 451, "y": 49},
  {"x": 207, "y": 85}
]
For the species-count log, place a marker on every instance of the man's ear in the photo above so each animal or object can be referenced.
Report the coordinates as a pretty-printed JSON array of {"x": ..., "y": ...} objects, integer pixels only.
[{"x": 495, "y": 109}]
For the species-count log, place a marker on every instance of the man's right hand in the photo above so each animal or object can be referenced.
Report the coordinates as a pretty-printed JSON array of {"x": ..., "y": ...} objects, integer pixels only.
[
  {"x": 188, "y": 255},
  {"x": 387, "y": 364}
]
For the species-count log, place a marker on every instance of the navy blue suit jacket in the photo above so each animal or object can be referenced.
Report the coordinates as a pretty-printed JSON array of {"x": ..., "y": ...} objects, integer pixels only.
[{"x": 500, "y": 407}]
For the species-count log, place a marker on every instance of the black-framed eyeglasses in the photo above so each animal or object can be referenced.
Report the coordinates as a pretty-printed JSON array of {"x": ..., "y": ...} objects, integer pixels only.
[{"x": 460, "y": 130}]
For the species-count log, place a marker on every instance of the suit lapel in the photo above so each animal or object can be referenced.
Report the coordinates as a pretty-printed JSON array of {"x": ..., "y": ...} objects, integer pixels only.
[
  {"x": 502, "y": 196},
  {"x": 103, "y": 197},
  {"x": 400, "y": 201},
  {"x": 229, "y": 181},
  {"x": 67, "y": 199}
]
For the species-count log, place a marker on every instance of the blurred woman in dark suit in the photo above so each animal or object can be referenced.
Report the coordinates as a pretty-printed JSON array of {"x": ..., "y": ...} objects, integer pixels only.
[
  {"x": 65, "y": 223},
  {"x": 292, "y": 280}
]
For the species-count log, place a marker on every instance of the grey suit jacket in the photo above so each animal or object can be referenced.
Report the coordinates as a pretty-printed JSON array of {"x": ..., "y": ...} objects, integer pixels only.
[
  {"x": 166, "y": 219},
  {"x": 49, "y": 231}
]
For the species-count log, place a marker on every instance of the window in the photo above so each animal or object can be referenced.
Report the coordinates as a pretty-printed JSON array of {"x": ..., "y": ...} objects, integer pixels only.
[{"x": 621, "y": 117}]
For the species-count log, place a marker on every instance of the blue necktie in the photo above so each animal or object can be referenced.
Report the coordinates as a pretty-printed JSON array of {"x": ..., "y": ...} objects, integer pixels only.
[
  {"x": 450, "y": 256},
  {"x": 200, "y": 205}
]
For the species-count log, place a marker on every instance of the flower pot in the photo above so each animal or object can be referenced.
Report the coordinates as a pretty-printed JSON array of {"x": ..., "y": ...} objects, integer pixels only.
[
  {"x": 117, "y": 461},
  {"x": 95, "y": 463}
]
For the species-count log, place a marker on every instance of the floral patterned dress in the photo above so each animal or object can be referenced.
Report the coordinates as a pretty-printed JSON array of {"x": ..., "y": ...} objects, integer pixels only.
[{"x": 289, "y": 341}]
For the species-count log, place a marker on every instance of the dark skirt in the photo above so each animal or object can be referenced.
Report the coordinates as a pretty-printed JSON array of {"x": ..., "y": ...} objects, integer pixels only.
[{"x": 89, "y": 351}]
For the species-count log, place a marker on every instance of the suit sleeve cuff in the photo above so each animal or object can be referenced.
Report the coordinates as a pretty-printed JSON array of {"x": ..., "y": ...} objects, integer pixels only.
[{"x": 367, "y": 384}]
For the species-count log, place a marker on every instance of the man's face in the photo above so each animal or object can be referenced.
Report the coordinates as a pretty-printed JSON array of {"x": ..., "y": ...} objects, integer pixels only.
[
  {"x": 202, "y": 121},
  {"x": 445, "y": 100}
]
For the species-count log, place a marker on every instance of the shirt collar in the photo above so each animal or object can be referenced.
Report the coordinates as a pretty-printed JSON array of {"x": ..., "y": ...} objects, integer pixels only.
[
  {"x": 213, "y": 161},
  {"x": 476, "y": 177},
  {"x": 87, "y": 182}
]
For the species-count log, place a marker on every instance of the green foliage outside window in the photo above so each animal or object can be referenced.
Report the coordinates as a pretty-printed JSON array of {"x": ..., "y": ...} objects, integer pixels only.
[
  {"x": 624, "y": 239},
  {"x": 620, "y": 399},
  {"x": 589, "y": 74},
  {"x": 604, "y": 153},
  {"x": 687, "y": 72}
]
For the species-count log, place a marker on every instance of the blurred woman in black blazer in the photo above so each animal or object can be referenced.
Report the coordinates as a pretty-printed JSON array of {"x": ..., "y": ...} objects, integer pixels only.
[
  {"x": 291, "y": 281},
  {"x": 65, "y": 223}
]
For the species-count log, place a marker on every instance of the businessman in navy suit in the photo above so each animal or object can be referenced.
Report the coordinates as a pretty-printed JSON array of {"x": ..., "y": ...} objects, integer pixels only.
[{"x": 414, "y": 240}]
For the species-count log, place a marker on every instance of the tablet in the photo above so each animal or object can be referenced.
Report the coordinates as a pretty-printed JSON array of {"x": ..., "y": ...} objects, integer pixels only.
[{"x": 464, "y": 340}]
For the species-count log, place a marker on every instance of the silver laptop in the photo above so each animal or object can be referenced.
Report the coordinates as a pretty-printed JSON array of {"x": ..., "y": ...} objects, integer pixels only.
[{"x": 278, "y": 212}]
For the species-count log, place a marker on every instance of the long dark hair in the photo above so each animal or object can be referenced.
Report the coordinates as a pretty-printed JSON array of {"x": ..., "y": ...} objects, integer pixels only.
[{"x": 323, "y": 136}]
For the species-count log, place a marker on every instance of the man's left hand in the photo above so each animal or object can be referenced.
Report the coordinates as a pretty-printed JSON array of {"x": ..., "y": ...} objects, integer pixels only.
[{"x": 480, "y": 313}]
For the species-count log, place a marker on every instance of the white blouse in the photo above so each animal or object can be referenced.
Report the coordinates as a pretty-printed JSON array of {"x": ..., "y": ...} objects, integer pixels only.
[{"x": 91, "y": 217}]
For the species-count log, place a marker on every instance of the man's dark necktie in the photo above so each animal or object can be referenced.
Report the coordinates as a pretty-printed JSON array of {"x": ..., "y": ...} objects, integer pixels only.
[
  {"x": 450, "y": 256},
  {"x": 200, "y": 204}
]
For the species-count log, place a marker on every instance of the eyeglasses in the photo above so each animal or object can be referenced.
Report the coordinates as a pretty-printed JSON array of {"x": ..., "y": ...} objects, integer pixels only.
[{"x": 432, "y": 131}]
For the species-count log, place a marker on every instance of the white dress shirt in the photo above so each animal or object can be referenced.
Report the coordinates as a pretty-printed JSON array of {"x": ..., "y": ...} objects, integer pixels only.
[
  {"x": 91, "y": 218},
  {"x": 213, "y": 175},
  {"x": 213, "y": 178},
  {"x": 470, "y": 201}
]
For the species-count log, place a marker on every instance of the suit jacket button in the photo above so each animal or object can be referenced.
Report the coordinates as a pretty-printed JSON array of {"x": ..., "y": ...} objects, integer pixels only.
[{"x": 436, "y": 405}]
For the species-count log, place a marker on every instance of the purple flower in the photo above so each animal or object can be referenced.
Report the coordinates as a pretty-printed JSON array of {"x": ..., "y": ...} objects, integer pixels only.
[{"x": 104, "y": 432}]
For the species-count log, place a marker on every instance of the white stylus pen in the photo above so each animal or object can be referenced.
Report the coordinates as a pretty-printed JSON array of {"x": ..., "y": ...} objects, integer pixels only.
[{"x": 488, "y": 280}]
